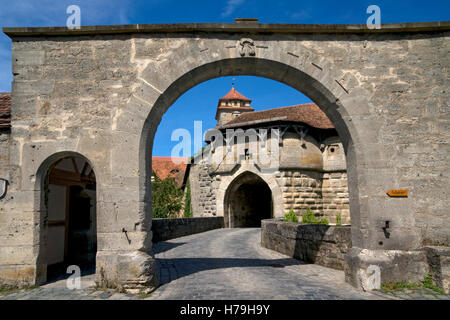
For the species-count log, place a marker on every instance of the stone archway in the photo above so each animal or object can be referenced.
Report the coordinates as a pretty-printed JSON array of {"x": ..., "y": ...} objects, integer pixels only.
[
  {"x": 320, "y": 86},
  {"x": 338, "y": 100},
  {"x": 248, "y": 200},
  {"x": 66, "y": 184},
  {"x": 268, "y": 179}
]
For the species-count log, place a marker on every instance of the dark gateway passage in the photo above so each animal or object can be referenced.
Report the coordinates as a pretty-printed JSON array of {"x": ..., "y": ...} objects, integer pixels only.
[{"x": 248, "y": 201}]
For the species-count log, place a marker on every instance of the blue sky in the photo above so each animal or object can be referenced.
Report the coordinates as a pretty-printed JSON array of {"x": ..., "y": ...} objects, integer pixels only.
[{"x": 201, "y": 101}]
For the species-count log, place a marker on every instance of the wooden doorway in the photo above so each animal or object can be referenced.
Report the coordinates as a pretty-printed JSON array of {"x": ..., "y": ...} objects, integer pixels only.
[{"x": 71, "y": 212}]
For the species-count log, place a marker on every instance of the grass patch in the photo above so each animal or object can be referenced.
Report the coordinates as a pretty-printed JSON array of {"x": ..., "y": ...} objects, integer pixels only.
[
  {"x": 4, "y": 290},
  {"x": 399, "y": 286},
  {"x": 143, "y": 294},
  {"x": 8, "y": 289},
  {"x": 427, "y": 282}
]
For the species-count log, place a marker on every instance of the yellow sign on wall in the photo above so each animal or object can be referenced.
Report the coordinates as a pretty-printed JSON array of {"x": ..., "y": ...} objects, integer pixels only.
[{"x": 397, "y": 193}]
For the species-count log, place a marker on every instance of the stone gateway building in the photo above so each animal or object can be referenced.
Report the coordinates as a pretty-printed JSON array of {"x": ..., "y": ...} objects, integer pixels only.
[
  {"x": 309, "y": 171},
  {"x": 86, "y": 103}
]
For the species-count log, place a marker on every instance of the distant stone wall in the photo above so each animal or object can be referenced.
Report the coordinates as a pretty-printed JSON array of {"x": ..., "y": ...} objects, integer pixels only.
[
  {"x": 325, "y": 193},
  {"x": 166, "y": 229},
  {"x": 310, "y": 175},
  {"x": 301, "y": 189},
  {"x": 203, "y": 193},
  {"x": 319, "y": 244},
  {"x": 335, "y": 197}
]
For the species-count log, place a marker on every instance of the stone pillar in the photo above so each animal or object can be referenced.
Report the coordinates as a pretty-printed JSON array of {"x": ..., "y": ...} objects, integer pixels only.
[
  {"x": 124, "y": 243},
  {"x": 124, "y": 237}
]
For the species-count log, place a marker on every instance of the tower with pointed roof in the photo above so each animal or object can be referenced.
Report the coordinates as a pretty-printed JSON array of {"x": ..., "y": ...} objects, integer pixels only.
[{"x": 232, "y": 105}]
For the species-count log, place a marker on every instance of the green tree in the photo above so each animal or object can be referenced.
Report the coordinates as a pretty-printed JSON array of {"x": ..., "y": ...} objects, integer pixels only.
[{"x": 167, "y": 199}]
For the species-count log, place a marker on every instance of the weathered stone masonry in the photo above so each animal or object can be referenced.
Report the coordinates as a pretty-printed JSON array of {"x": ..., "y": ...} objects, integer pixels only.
[{"x": 101, "y": 92}]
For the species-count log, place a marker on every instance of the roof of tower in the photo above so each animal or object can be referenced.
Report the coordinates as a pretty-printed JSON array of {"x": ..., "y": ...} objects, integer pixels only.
[
  {"x": 308, "y": 113},
  {"x": 234, "y": 95}
]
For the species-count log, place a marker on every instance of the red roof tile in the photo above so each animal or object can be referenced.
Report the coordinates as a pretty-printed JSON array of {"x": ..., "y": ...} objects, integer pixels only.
[
  {"x": 170, "y": 167},
  {"x": 5, "y": 110},
  {"x": 234, "y": 95},
  {"x": 308, "y": 113}
]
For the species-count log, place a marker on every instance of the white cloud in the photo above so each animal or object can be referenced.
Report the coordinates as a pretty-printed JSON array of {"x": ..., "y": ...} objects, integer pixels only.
[{"x": 231, "y": 6}]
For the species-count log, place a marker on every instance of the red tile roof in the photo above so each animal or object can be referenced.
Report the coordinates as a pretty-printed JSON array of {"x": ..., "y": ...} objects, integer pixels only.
[
  {"x": 5, "y": 110},
  {"x": 308, "y": 113},
  {"x": 234, "y": 95},
  {"x": 170, "y": 167}
]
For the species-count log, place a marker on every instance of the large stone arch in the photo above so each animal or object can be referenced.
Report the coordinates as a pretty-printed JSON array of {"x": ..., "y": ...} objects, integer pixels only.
[
  {"x": 335, "y": 91},
  {"x": 269, "y": 179}
]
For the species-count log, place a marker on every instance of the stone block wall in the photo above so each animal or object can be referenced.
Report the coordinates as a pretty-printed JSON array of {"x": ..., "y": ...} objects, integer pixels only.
[
  {"x": 301, "y": 189},
  {"x": 319, "y": 244},
  {"x": 335, "y": 197},
  {"x": 166, "y": 229},
  {"x": 203, "y": 192}
]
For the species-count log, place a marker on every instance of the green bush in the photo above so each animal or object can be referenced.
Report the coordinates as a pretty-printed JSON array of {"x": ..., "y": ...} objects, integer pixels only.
[
  {"x": 310, "y": 217},
  {"x": 167, "y": 199},
  {"x": 338, "y": 220},
  {"x": 290, "y": 217}
]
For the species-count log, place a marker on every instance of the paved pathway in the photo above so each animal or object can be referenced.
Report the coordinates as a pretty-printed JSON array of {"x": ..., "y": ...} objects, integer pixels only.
[
  {"x": 220, "y": 264},
  {"x": 231, "y": 264}
]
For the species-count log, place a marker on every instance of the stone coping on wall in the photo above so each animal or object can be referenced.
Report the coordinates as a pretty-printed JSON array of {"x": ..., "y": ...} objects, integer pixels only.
[
  {"x": 170, "y": 228},
  {"x": 325, "y": 245},
  {"x": 238, "y": 27}
]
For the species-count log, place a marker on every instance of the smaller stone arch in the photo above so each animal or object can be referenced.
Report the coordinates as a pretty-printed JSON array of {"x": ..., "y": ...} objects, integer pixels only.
[
  {"x": 60, "y": 177},
  {"x": 269, "y": 179}
]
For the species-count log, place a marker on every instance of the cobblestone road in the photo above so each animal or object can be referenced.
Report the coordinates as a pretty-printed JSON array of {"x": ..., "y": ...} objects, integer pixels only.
[
  {"x": 221, "y": 264},
  {"x": 231, "y": 264}
]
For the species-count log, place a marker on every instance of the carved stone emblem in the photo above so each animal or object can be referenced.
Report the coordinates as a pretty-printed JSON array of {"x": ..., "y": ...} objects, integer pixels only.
[{"x": 246, "y": 47}]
